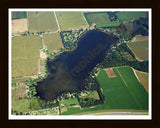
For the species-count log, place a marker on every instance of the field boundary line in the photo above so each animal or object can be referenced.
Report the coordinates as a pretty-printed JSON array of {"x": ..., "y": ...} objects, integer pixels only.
[
  {"x": 142, "y": 72},
  {"x": 21, "y": 77},
  {"x": 122, "y": 77},
  {"x": 136, "y": 74},
  {"x": 57, "y": 21},
  {"x": 84, "y": 18}
]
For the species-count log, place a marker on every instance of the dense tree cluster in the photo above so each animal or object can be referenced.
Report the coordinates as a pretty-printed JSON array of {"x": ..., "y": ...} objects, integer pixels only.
[
  {"x": 113, "y": 16},
  {"x": 128, "y": 30},
  {"x": 70, "y": 38},
  {"x": 115, "y": 58}
]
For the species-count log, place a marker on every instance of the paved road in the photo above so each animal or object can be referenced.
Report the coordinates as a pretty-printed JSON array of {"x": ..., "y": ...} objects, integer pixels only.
[{"x": 119, "y": 113}]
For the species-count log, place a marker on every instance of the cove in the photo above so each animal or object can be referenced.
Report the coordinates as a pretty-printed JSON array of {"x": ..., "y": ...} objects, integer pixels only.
[{"x": 68, "y": 70}]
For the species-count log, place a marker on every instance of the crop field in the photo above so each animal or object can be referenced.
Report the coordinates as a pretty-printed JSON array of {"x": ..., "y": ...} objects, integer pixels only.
[
  {"x": 42, "y": 21},
  {"x": 141, "y": 38},
  {"x": 144, "y": 79},
  {"x": 19, "y": 15},
  {"x": 108, "y": 24},
  {"x": 123, "y": 92},
  {"x": 127, "y": 16},
  {"x": 53, "y": 41},
  {"x": 71, "y": 20},
  {"x": 101, "y": 19},
  {"x": 19, "y": 25},
  {"x": 110, "y": 73},
  {"x": 25, "y": 55},
  {"x": 140, "y": 49}
]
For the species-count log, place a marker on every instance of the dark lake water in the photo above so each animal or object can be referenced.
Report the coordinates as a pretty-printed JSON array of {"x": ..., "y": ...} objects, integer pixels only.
[{"x": 69, "y": 69}]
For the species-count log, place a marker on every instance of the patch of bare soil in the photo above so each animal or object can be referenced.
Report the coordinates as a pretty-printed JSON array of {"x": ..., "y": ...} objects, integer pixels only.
[{"x": 19, "y": 25}]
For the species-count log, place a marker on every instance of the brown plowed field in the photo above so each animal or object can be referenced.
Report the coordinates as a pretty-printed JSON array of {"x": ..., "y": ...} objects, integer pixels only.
[
  {"x": 141, "y": 38},
  {"x": 110, "y": 72},
  {"x": 19, "y": 25}
]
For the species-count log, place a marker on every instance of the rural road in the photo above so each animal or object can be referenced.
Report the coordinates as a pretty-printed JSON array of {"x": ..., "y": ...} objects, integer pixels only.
[{"x": 119, "y": 113}]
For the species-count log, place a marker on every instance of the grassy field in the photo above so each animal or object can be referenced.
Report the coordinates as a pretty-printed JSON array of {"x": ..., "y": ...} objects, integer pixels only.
[
  {"x": 25, "y": 55},
  {"x": 128, "y": 16},
  {"x": 144, "y": 79},
  {"x": 123, "y": 92},
  {"x": 68, "y": 20},
  {"x": 19, "y": 92},
  {"x": 19, "y": 15},
  {"x": 140, "y": 49},
  {"x": 94, "y": 95},
  {"x": 69, "y": 102},
  {"x": 42, "y": 21},
  {"x": 101, "y": 17},
  {"x": 53, "y": 41},
  {"x": 20, "y": 105}
]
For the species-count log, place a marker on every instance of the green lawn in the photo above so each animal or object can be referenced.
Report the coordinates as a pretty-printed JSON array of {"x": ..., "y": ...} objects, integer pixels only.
[
  {"x": 71, "y": 20},
  {"x": 19, "y": 15},
  {"x": 140, "y": 49},
  {"x": 127, "y": 16},
  {"x": 124, "y": 93},
  {"x": 25, "y": 55},
  {"x": 42, "y": 21},
  {"x": 68, "y": 102},
  {"x": 53, "y": 41}
]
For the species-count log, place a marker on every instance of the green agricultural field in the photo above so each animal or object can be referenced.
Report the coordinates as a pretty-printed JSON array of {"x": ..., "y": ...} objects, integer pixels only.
[
  {"x": 19, "y": 15},
  {"x": 101, "y": 17},
  {"x": 140, "y": 49},
  {"x": 53, "y": 41},
  {"x": 42, "y": 21},
  {"x": 25, "y": 55},
  {"x": 108, "y": 24},
  {"x": 123, "y": 92},
  {"x": 71, "y": 20},
  {"x": 129, "y": 16}
]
